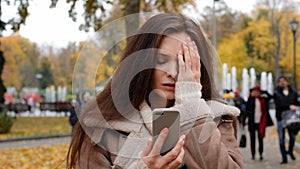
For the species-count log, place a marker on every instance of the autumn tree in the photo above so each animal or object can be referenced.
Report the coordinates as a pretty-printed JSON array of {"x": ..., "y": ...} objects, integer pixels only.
[
  {"x": 64, "y": 61},
  {"x": 21, "y": 59},
  {"x": 264, "y": 40},
  {"x": 95, "y": 12},
  {"x": 279, "y": 13},
  {"x": 46, "y": 72},
  {"x": 258, "y": 42},
  {"x": 249, "y": 47},
  {"x": 228, "y": 21}
]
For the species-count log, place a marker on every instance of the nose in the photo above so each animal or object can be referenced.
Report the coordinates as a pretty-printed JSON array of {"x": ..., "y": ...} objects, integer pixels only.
[{"x": 173, "y": 71}]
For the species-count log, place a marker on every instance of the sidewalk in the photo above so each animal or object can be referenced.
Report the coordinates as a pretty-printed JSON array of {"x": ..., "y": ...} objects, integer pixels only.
[
  {"x": 35, "y": 143},
  {"x": 272, "y": 156}
]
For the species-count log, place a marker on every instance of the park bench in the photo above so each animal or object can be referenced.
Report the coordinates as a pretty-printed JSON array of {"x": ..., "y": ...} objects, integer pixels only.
[
  {"x": 55, "y": 106},
  {"x": 18, "y": 107}
]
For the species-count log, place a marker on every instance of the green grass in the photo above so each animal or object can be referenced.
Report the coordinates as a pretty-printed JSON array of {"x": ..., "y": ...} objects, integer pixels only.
[{"x": 38, "y": 126}]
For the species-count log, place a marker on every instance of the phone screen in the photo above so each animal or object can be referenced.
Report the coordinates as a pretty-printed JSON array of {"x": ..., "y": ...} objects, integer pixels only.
[{"x": 166, "y": 118}]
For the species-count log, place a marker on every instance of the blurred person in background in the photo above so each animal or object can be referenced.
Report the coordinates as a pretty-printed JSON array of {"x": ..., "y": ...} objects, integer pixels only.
[
  {"x": 240, "y": 103},
  {"x": 257, "y": 112},
  {"x": 285, "y": 98},
  {"x": 73, "y": 116}
]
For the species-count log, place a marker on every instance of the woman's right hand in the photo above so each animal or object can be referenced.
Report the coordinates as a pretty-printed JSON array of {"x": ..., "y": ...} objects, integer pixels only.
[
  {"x": 189, "y": 66},
  {"x": 173, "y": 159}
]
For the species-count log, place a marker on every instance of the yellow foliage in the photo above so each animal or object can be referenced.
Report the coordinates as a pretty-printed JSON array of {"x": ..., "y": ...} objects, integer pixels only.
[
  {"x": 233, "y": 52},
  {"x": 13, "y": 48},
  {"x": 44, "y": 157},
  {"x": 262, "y": 40},
  {"x": 106, "y": 67}
]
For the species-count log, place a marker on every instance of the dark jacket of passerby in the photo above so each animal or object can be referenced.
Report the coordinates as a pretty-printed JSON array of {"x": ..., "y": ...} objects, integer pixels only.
[
  {"x": 73, "y": 117},
  {"x": 283, "y": 102},
  {"x": 284, "y": 97},
  {"x": 240, "y": 103}
]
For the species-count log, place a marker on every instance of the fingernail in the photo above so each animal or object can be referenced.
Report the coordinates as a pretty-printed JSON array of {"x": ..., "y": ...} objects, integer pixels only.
[
  {"x": 179, "y": 52},
  {"x": 183, "y": 137},
  {"x": 165, "y": 131}
]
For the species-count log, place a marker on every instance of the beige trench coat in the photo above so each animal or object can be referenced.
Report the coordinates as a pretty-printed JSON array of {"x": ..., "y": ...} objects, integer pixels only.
[{"x": 209, "y": 145}]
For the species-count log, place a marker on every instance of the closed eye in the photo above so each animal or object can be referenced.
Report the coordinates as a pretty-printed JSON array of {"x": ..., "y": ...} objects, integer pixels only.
[
  {"x": 161, "y": 61},
  {"x": 162, "y": 58}
]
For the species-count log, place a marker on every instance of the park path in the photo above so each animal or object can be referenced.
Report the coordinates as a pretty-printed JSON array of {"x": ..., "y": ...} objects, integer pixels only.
[
  {"x": 35, "y": 143},
  {"x": 272, "y": 156}
]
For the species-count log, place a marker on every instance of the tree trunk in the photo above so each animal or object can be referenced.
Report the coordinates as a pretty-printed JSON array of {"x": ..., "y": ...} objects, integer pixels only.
[
  {"x": 277, "y": 68},
  {"x": 2, "y": 87},
  {"x": 132, "y": 22}
]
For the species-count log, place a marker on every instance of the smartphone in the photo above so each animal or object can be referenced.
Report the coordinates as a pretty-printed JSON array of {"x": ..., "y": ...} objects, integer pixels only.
[{"x": 166, "y": 118}]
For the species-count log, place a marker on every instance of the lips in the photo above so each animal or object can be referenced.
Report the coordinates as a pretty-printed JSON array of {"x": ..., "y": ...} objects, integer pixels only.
[{"x": 169, "y": 86}]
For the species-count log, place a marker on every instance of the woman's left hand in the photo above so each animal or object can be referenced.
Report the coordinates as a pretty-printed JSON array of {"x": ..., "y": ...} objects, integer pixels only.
[
  {"x": 189, "y": 62},
  {"x": 172, "y": 160}
]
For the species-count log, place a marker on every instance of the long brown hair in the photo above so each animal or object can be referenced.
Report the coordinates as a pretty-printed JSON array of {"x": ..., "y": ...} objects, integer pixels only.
[{"x": 148, "y": 37}]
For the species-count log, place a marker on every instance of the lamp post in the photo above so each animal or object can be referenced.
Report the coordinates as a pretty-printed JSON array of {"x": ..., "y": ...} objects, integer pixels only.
[
  {"x": 294, "y": 26},
  {"x": 39, "y": 77}
]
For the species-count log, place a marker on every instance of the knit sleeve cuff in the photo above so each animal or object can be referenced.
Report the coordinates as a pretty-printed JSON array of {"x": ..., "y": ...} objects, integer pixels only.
[
  {"x": 187, "y": 90},
  {"x": 142, "y": 165}
]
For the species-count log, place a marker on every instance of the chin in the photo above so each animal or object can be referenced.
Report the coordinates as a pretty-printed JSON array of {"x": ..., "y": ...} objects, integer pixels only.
[
  {"x": 166, "y": 94},
  {"x": 170, "y": 97}
]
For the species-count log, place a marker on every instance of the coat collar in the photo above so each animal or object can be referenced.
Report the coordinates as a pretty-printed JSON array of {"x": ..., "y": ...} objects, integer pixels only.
[
  {"x": 217, "y": 109},
  {"x": 94, "y": 122}
]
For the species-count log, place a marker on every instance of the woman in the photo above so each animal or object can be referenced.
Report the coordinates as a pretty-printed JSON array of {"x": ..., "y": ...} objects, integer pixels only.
[
  {"x": 115, "y": 130},
  {"x": 257, "y": 110}
]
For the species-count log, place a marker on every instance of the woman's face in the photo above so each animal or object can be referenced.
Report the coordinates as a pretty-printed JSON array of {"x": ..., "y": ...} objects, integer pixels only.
[
  {"x": 255, "y": 93},
  {"x": 166, "y": 71}
]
